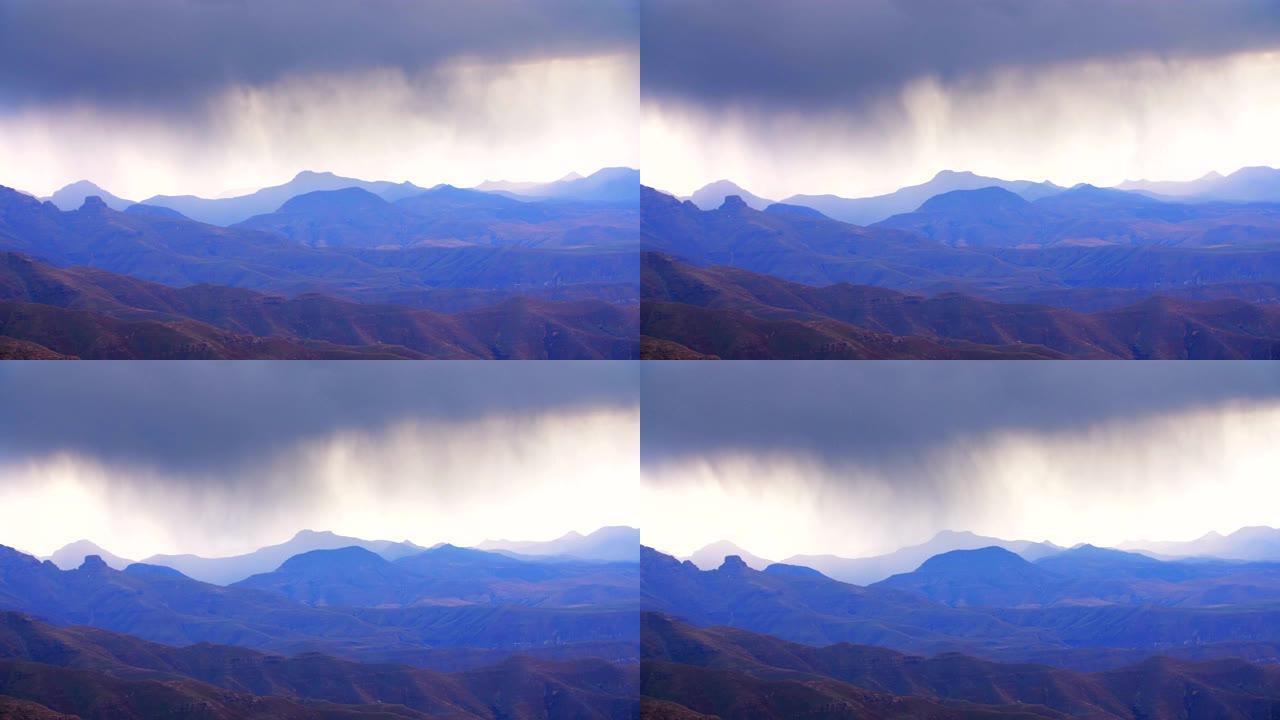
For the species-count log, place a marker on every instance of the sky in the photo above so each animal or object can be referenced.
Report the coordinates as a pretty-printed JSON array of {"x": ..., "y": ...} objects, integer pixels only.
[
  {"x": 223, "y": 458},
  {"x": 861, "y": 98},
  {"x": 858, "y": 459},
  {"x": 203, "y": 97}
]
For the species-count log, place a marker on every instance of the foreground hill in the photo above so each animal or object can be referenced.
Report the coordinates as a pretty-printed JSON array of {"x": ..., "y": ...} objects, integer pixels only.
[
  {"x": 95, "y": 314},
  {"x": 732, "y": 673},
  {"x": 734, "y": 313},
  {"x": 94, "y": 673}
]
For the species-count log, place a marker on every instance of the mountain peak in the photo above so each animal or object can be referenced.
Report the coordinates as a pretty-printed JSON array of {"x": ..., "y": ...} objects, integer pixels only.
[
  {"x": 733, "y": 563},
  {"x": 733, "y": 202},
  {"x": 311, "y": 174},
  {"x": 93, "y": 203},
  {"x": 93, "y": 563}
]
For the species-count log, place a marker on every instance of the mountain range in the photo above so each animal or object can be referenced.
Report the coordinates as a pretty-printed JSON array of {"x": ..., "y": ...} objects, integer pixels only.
[
  {"x": 732, "y": 673},
  {"x": 985, "y": 273},
  {"x": 98, "y": 674},
  {"x": 439, "y": 608},
  {"x": 609, "y": 544},
  {"x": 1086, "y": 608},
  {"x": 500, "y": 279},
  {"x": 615, "y": 186}
]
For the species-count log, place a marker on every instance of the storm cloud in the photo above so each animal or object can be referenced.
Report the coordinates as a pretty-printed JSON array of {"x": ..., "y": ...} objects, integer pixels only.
[
  {"x": 814, "y": 54},
  {"x": 859, "y": 458},
  {"x": 173, "y": 55},
  {"x": 226, "y": 457},
  {"x": 216, "y": 97},
  {"x": 861, "y": 98}
]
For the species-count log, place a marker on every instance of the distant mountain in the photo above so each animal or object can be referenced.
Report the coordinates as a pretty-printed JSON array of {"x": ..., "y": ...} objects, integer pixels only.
[
  {"x": 444, "y": 216},
  {"x": 228, "y": 211},
  {"x": 1251, "y": 184},
  {"x": 864, "y": 571},
  {"x": 864, "y": 211},
  {"x": 712, "y": 556},
  {"x": 81, "y": 670},
  {"x": 712, "y": 196},
  {"x": 1085, "y": 216},
  {"x": 73, "y": 196},
  {"x": 609, "y": 544},
  {"x": 718, "y": 670},
  {"x": 1085, "y": 576},
  {"x": 1258, "y": 543},
  {"x": 72, "y": 555},
  {"x": 445, "y": 575},
  {"x": 227, "y": 570},
  {"x": 990, "y": 576},
  {"x": 608, "y": 186}
]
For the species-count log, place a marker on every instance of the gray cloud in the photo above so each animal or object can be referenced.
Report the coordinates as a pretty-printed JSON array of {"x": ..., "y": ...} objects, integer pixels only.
[
  {"x": 890, "y": 414},
  {"x": 191, "y": 419},
  {"x": 173, "y": 54},
  {"x": 814, "y": 55}
]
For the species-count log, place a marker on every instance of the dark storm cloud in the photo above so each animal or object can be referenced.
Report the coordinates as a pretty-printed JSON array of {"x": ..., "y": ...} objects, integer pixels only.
[
  {"x": 817, "y": 54},
  {"x": 218, "y": 416},
  {"x": 172, "y": 54},
  {"x": 882, "y": 414}
]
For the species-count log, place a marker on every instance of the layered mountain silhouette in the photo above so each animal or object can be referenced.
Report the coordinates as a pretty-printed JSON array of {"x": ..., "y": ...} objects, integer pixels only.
[
  {"x": 227, "y": 570},
  {"x": 1083, "y": 273},
  {"x": 609, "y": 186},
  {"x": 361, "y": 269},
  {"x": 1086, "y": 608},
  {"x": 864, "y": 211},
  {"x": 350, "y": 603},
  {"x": 710, "y": 557},
  {"x": 608, "y": 544},
  {"x": 72, "y": 556},
  {"x": 863, "y": 571},
  {"x": 713, "y": 195},
  {"x": 231, "y": 210},
  {"x": 1251, "y": 184},
  {"x": 1251, "y": 543},
  {"x": 73, "y": 196}
]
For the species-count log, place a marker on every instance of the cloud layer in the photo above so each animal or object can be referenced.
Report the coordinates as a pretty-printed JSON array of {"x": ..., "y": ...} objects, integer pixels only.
[
  {"x": 864, "y": 458},
  {"x": 225, "y": 457},
  {"x": 861, "y": 98},
  {"x": 208, "y": 96}
]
